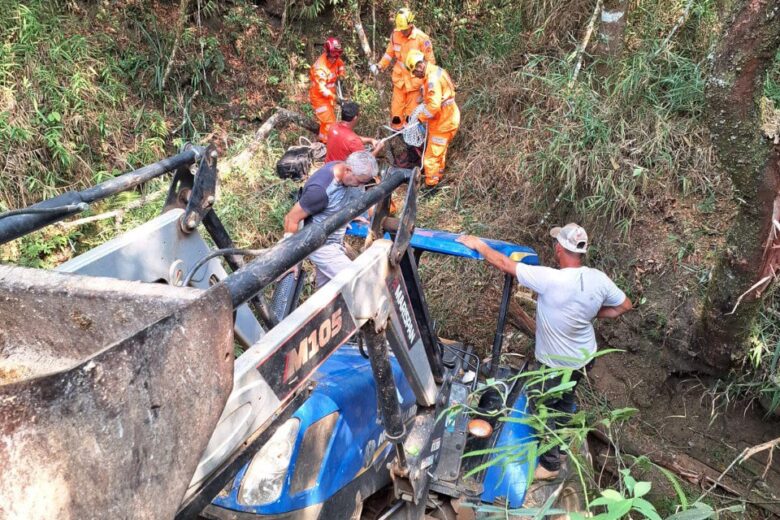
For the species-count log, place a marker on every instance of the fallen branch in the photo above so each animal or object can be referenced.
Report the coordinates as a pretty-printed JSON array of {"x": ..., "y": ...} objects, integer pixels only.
[
  {"x": 180, "y": 21},
  {"x": 281, "y": 117},
  {"x": 680, "y": 22},
  {"x": 287, "y": 5},
  {"x": 579, "y": 53},
  {"x": 362, "y": 34},
  {"x": 742, "y": 457},
  {"x": 769, "y": 445},
  {"x": 760, "y": 283},
  {"x": 693, "y": 470},
  {"x": 516, "y": 315}
]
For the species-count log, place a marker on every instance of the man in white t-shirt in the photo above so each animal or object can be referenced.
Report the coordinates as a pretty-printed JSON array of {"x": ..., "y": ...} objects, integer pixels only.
[{"x": 569, "y": 298}]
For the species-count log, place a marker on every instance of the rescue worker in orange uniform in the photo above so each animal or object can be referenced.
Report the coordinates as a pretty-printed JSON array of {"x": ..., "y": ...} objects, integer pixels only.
[
  {"x": 440, "y": 112},
  {"x": 406, "y": 87},
  {"x": 324, "y": 74}
]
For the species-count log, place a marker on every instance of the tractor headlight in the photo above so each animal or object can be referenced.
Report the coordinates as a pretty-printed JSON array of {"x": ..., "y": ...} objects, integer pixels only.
[{"x": 264, "y": 479}]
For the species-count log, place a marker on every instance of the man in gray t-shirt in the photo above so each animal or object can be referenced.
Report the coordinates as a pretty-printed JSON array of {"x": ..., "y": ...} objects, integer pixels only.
[
  {"x": 325, "y": 193},
  {"x": 569, "y": 299}
]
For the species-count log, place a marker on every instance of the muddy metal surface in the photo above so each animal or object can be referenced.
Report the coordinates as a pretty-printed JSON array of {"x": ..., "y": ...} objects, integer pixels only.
[{"x": 109, "y": 392}]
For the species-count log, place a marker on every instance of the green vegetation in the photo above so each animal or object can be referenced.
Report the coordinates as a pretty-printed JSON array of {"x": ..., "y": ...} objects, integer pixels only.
[
  {"x": 759, "y": 377},
  {"x": 89, "y": 91},
  {"x": 621, "y": 496}
]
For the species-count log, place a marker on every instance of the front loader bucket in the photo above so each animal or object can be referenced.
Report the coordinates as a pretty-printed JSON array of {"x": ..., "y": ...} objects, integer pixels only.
[{"x": 109, "y": 392}]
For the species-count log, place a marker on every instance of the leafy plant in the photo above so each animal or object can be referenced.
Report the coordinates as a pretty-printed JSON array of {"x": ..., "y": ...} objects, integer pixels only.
[
  {"x": 618, "y": 505},
  {"x": 702, "y": 511},
  {"x": 316, "y": 7}
]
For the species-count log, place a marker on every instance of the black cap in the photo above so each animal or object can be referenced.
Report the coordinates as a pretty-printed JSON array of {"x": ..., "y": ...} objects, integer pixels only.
[{"x": 349, "y": 111}]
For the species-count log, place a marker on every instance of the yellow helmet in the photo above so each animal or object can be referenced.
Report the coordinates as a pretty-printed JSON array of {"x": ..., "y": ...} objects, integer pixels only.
[
  {"x": 404, "y": 18},
  {"x": 413, "y": 57}
]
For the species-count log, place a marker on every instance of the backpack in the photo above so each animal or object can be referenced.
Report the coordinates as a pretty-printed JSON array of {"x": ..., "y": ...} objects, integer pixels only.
[
  {"x": 295, "y": 163},
  {"x": 297, "y": 160}
]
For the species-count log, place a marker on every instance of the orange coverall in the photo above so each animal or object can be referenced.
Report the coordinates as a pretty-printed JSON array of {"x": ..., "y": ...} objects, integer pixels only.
[
  {"x": 443, "y": 118},
  {"x": 406, "y": 88},
  {"x": 322, "y": 92}
]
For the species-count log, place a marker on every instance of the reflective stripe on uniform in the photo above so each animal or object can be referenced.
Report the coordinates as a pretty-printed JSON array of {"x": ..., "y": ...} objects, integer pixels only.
[
  {"x": 387, "y": 57},
  {"x": 320, "y": 110},
  {"x": 427, "y": 112},
  {"x": 397, "y": 48},
  {"x": 448, "y": 102},
  {"x": 438, "y": 140}
]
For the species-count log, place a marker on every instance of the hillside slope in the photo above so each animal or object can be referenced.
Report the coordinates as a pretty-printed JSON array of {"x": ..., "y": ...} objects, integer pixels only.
[{"x": 91, "y": 89}]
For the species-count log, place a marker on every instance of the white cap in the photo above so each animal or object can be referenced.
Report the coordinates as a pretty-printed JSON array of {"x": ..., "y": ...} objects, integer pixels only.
[{"x": 572, "y": 237}]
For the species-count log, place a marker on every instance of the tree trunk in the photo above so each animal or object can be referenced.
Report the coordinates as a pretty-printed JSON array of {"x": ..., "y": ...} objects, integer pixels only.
[
  {"x": 362, "y": 33},
  {"x": 612, "y": 28},
  {"x": 744, "y": 53}
]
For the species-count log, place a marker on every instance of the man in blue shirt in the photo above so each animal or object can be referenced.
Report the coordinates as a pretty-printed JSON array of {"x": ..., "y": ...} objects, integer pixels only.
[{"x": 327, "y": 191}]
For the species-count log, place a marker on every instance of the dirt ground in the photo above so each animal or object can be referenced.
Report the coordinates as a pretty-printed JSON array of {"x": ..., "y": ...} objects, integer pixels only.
[{"x": 679, "y": 410}]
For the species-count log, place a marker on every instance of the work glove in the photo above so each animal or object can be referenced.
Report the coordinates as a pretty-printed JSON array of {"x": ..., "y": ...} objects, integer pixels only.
[{"x": 374, "y": 68}]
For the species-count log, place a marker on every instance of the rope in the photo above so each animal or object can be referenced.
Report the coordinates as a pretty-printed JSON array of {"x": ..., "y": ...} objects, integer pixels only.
[{"x": 318, "y": 149}]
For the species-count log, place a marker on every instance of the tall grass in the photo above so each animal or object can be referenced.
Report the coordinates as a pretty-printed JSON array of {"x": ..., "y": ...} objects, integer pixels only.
[
  {"x": 64, "y": 112},
  {"x": 597, "y": 147},
  {"x": 609, "y": 493}
]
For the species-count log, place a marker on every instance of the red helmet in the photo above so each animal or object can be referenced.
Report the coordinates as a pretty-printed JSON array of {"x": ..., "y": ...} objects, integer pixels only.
[{"x": 333, "y": 47}]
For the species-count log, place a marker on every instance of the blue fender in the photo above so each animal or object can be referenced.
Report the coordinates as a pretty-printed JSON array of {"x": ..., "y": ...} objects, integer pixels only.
[{"x": 513, "y": 461}]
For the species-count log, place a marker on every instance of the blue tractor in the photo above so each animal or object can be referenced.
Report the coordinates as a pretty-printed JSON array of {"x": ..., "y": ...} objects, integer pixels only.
[
  {"x": 330, "y": 459},
  {"x": 345, "y": 406}
]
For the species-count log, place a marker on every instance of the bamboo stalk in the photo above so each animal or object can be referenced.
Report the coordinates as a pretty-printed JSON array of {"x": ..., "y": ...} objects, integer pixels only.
[{"x": 579, "y": 53}]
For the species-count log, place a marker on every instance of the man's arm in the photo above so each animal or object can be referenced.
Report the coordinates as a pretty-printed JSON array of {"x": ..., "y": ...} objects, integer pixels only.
[
  {"x": 376, "y": 145},
  {"x": 292, "y": 221},
  {"x": 617, "y": 310},
  {"x": 322, "y": 84},
  {"x": 432, "y": 100},
  {"x": 387, "y": 59},
  {"x": 493, "y": 257}
]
